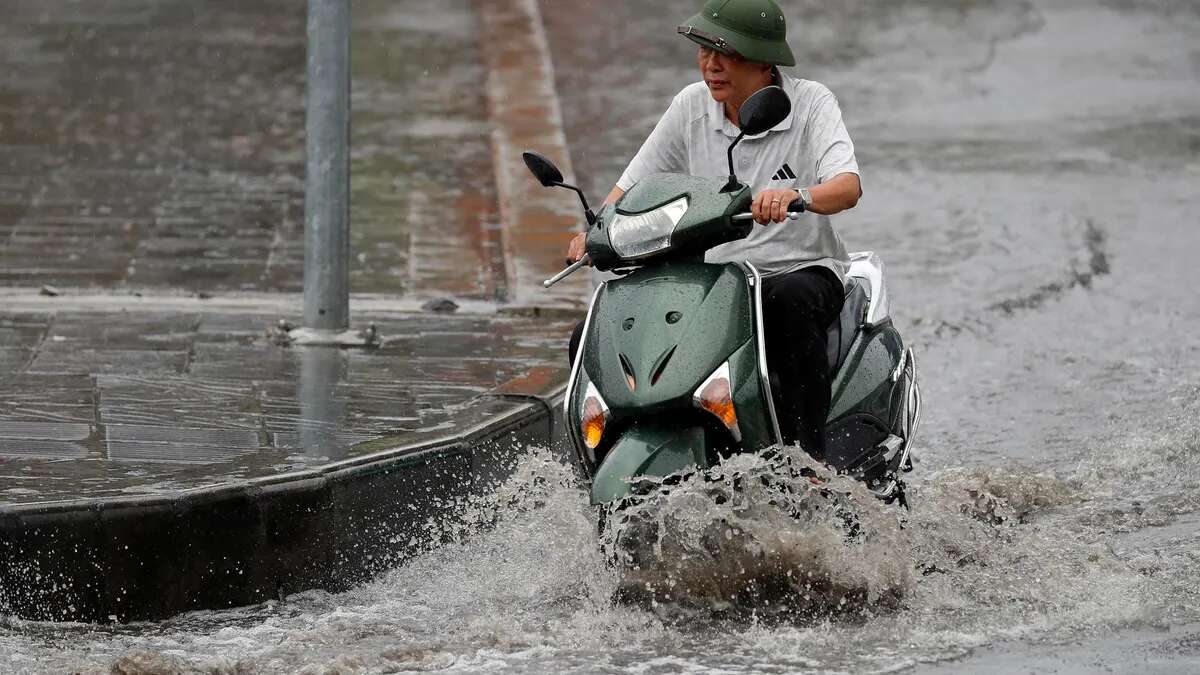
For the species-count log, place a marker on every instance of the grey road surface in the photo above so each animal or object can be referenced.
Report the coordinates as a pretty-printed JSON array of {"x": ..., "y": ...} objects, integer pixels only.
[{"x": 1031, "y": 171}]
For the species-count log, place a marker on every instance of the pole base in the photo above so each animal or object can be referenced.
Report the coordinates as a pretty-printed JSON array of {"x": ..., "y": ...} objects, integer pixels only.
[{"x": 317, "y": 337}]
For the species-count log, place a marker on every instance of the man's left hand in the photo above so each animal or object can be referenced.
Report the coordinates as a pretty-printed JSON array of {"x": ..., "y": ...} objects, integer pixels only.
[{"x": 770, "y": 206}]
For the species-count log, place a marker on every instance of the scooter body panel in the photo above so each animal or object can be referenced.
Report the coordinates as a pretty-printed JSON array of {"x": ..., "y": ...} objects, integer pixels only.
[
  {"x": 648, "y": 450},
  {"x": 653, "y": 338},
  {"x": 863, "y": 382},
  {"x": 864, "y": 403},
  {"x": 657, "y": 333}
]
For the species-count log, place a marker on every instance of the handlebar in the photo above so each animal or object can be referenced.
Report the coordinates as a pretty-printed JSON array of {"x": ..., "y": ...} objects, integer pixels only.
[
  {"x": 574, "y": 267},
  {"x": 739, "y": 217},
  {"x": 794, "y": 210}
]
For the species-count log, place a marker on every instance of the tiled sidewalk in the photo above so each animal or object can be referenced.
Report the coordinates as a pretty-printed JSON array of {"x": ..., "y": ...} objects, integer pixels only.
[
  {"x": 149, "y": 144},
  {"x": 155, "y": 148},
  {"x": 121, "y": 403}
]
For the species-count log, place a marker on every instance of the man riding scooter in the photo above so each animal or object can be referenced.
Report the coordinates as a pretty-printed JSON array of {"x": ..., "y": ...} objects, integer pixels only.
[{"x": 806, "y": 162}]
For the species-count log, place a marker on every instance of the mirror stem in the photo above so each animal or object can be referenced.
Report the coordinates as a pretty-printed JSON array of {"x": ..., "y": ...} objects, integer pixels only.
[
  {"x": 587, "y": 210},
  {"x": 733, "y": 185}
]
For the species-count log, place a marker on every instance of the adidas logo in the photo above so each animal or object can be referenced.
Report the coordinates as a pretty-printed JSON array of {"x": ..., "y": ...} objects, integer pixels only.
[{"x": 785, "y": 173}]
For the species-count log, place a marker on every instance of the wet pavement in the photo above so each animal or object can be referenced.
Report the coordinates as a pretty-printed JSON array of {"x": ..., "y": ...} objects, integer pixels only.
[
  {"x": 151, "y": 174},
  {"x": 149, "y": 145},
  {"x": 1030, "y": 173},
  {"x": 100, "y": 405}
]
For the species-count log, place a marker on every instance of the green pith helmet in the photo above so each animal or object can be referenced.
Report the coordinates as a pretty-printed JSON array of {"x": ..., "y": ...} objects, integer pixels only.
[{"x": 752, "y": 29}]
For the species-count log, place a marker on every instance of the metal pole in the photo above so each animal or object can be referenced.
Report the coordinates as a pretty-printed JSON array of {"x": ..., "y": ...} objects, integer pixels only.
[
  {"x": 321, "y": 371},
  {"x": 327, "y": 174}
]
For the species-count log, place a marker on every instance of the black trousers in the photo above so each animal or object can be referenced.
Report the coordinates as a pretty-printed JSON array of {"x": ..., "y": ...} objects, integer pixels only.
[{"x": 798, "y": 308}]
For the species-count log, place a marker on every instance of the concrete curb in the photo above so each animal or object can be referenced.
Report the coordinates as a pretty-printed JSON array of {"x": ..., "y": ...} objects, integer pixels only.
[
  {"x": 129, "y": 559},
  {"x": 236, "y": 544}
]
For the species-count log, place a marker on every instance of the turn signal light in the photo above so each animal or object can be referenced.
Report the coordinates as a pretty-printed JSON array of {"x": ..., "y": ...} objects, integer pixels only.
[
  {"x": 716, "y": 396},
  {"x": 594, "y": 417}
]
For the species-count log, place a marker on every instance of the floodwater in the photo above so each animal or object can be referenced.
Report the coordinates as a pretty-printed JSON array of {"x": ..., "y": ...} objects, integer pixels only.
[
  {"x": 1031, "y": 173},
  {"x": 999, "y": 565}
]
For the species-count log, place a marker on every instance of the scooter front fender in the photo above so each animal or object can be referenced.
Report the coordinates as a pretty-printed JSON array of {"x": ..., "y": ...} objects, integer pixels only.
[{"x": 647, "y": 451}]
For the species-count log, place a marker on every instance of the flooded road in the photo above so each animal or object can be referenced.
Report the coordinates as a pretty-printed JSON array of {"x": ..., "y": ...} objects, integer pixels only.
[
  {"x": 1004, "y": 568},
  {"x": 1031, "y": 173}
]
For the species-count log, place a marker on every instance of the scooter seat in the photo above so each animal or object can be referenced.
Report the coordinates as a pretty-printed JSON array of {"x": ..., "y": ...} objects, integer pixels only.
[{"x": 843, "y": 330}]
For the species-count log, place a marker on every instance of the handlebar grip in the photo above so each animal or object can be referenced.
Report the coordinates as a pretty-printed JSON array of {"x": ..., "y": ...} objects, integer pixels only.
[
  {"x": 797, "y": 205},
  {"x": 743, "y": 217}
]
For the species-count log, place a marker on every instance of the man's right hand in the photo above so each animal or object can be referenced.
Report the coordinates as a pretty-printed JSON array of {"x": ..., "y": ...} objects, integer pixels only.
[{"x": 577, "y": 248}]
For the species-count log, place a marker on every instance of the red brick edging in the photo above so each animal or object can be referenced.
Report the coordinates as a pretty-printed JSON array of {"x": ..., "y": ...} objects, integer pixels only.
[{"x": 537, "y": 222}]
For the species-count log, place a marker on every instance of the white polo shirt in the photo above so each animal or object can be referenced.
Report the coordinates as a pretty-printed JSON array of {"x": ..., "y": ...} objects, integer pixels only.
[{"x": 809, "y": 147}]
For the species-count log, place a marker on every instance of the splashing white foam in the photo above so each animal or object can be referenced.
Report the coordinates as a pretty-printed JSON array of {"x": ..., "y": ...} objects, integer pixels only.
[{"x": 772, "y": 535}]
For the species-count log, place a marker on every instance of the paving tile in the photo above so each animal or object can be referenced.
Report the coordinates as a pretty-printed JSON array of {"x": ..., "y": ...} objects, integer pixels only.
[
  {"x": 229, "y": 362},
  {"x": 196, "y": 418},
  {"x": 224, "y": 438},
  {"x": 170, "y": 453},
  {"x": 22, "y": 336},
  {"x": 179, "y": 401},
  {"x": 122, "y": 331},
  {"x": 44, "y": 431},
  {"x": 327, "y": 443},
  {"x": 47, "y": 412},
  {"x": 25, "y": 270},
  {"x": 137, "y": 443},
  {"x": 132, "y": 362},
  {"x": 19, "y": 320},
  {"x": 52, "y": 389},
  {"x": 13, "y": 361},
  {"x": 248, "y": 329},
  {"x": 44, "y": 449}
]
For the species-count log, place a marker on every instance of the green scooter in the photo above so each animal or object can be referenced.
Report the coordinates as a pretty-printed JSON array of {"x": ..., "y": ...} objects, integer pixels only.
[{"x": 671, "y": 374}]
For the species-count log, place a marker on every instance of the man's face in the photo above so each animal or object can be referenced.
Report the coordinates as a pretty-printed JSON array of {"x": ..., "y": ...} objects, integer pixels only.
[{"x": 730, "y": 78}]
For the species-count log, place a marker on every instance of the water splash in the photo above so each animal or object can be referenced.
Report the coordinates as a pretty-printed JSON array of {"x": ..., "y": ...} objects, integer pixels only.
[{"x": 769, "y": 535}]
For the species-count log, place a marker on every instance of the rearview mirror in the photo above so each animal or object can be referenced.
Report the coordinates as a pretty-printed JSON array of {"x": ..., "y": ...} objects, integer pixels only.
[
  {"x": 766, "y": 108},
  {"x": 549, "y": 176},
  {"x": 542, "y": 169}
]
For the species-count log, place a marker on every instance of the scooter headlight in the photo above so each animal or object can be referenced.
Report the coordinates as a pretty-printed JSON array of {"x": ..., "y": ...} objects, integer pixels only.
[
  {"x": 646, "y": 233},
  {"x": 716, "y": 396},
  {"x": 593, "y": 417}
]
